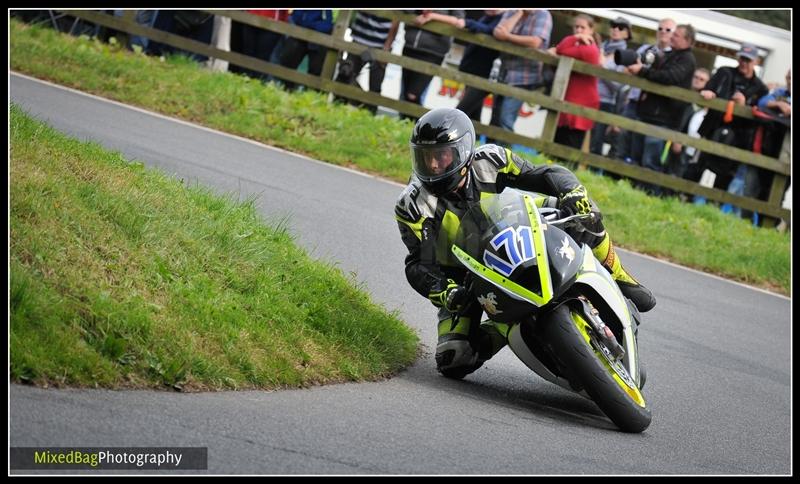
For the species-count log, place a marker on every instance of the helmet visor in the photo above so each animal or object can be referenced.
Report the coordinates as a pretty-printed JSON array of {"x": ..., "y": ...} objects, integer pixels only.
[{"x": 437, "y": 161}]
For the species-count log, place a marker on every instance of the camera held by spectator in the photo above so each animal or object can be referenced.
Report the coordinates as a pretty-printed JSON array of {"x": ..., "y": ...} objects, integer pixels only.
[{"x": 627, "y": 57}]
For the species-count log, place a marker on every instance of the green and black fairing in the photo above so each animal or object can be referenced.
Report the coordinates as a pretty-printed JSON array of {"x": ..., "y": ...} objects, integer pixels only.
[
  {"x": 564, "y": 255},
  {"x": 504, "y": 242}
]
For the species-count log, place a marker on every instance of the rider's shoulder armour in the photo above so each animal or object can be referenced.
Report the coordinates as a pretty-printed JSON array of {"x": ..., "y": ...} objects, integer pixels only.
[
  {"x": 415, "y": 202},
  {"x": 488, "y": 161}
]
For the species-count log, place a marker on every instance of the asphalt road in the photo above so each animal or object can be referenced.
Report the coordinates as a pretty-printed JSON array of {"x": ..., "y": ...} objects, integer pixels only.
[{"x": 718, "y": 354}]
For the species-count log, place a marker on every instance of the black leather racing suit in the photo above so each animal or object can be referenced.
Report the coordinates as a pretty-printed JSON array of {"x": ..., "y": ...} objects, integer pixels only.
[{"x": 428, "y": 224}]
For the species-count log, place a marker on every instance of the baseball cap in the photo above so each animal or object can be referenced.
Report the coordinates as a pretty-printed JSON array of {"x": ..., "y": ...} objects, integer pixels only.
[
  {"x": 622, "y": 22},
  {"x": 748, "y": 50}
]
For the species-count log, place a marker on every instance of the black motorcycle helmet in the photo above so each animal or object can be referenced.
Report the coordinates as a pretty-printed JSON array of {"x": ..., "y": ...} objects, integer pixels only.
[{"x": 442, "y": 145}]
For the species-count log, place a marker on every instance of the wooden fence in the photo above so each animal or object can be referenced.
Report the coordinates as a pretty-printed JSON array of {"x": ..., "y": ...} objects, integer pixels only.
[{"x": 554, "y": 102}]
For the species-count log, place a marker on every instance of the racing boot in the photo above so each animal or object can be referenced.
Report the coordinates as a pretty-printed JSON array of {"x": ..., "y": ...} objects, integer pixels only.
[
  {"x": 455, "y": 355},
  {"x": 494, "y": 336},
  {"x": 641, "y": 297}
]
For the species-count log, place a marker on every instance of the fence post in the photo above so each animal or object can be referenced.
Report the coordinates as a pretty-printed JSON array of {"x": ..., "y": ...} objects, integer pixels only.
[
  {"x": 124, "y": 38},
  {"x": 779, "y": 181},
  {"x": 339, "y": 29},
  {"x": 221, "y": 39},
  {"x": 559, "y": 89}
]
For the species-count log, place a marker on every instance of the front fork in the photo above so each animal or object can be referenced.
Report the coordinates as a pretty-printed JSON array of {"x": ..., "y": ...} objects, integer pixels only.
[
  {"x": 610, "y": 344},
  {"x": 601, "y": 331}
]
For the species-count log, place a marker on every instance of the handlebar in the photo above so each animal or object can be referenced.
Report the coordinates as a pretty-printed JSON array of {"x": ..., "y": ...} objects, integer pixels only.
[{"x": 555, "y": 216}]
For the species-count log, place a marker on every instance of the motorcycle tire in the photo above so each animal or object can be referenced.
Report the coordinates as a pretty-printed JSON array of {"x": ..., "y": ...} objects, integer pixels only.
[{"x": 568, "y": 336}]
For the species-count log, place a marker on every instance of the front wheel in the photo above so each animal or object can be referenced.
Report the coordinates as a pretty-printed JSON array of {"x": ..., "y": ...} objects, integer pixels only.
[{"x": 610, "y": 388}]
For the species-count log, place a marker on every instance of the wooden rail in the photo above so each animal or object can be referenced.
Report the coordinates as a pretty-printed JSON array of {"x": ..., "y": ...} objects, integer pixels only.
[{"x": 554, "y": 102}]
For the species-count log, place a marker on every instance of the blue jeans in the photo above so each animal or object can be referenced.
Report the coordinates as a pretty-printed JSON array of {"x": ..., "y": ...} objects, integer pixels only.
[
  {"x": 599, "y": 131},
  {"x": 146, "y": 18},
  {"x": 651, "y": 158},
  {"x": 510, "y": 109},
  {"x": 651, "y": 153},
  {"x": 629, "y": 143},
  {"x": 736, "y": 186},
  {"x": 746, "y": 183}
]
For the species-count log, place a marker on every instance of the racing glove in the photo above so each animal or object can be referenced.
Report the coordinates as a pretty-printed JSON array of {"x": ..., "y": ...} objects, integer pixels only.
[
  {"x": 452, "y": 297},
  {"x": 575, "y": 201}
]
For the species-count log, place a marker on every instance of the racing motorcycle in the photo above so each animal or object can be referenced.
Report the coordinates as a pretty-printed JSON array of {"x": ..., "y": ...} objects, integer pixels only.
[{"x": 560, "y": 311}]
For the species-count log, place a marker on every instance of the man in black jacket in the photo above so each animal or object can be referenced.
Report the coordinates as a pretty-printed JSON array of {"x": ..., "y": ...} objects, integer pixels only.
[
  {"x": 674, "y": 68},
  {"x": 741, "y": 85},
  {"x": 426, "y": 46}
]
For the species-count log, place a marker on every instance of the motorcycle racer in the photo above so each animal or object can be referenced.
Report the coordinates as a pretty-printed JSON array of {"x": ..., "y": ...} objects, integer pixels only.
[{"x": 449, "y": 172}]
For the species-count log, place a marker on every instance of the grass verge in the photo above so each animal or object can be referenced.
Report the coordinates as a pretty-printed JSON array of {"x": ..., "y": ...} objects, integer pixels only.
[
  {"x": 123, "y": 277},
  {"x": 699, "y": 237}
]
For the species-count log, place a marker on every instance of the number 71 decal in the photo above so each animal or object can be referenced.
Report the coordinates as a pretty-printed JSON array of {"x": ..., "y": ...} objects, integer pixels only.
[{"x": 518, "y": 244}]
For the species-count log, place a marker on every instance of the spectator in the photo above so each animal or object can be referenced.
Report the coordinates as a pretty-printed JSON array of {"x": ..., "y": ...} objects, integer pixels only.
[
  {"x": 528, "y": 28},
  {"x": 376, "y": 33},
  {"x": 779, "y": 100},
  {"x": 674, "y": 68},
  {"x": 193, "y": 24},
  {"x": 426, "y": 46},
  {"x": 608, "y": 90},
  {"x": 259, "y": 43},
  {"x": 294, "y": 49},
  {"x": 478, "y": 60},
  {"x": 680, "y": 157},
  {"x": 630, "y": 143},
  {"x": 582, "y": 88},
  {"x": 773, "y": 128},
  {"x": 741, "y": 86},
  {"x": 146, "y": 18},
  {"x": 778, "y": 106}
]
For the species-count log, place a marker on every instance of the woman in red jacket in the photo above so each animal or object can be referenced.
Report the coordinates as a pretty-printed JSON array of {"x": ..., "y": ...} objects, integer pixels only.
[{"x": 582, "y": 88}]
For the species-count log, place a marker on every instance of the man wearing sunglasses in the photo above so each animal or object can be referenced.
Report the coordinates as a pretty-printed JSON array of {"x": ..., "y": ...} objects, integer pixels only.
[{"x": 674, "y": 68}]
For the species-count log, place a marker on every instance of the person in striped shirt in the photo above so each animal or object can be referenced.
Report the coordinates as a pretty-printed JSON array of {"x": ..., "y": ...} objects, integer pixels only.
[{"x": 376, "y": 33}]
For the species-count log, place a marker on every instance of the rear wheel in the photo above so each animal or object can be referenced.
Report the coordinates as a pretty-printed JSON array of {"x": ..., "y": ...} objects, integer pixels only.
[{"x": 605, "y": 380}]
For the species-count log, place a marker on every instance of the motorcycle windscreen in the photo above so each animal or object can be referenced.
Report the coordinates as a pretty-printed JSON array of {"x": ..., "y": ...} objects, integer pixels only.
[
  {"x": 504, "y": 244},
  {"x": 564, "y": 255}
]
